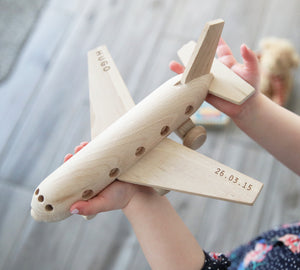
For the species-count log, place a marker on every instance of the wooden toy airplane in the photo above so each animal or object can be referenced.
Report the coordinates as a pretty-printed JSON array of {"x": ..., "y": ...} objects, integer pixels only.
[{"x": 129, "y": 142}]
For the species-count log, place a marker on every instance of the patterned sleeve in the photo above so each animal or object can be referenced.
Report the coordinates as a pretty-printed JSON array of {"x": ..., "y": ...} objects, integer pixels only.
[{"x": 214, "y": 261}]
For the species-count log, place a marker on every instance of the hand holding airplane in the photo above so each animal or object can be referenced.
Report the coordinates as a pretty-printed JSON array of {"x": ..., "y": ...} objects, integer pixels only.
[{"x": 127, "y": 148}]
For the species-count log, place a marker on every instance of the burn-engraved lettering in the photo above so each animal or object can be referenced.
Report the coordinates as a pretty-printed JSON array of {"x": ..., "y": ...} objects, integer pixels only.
[{"x": 103, "y": 61}]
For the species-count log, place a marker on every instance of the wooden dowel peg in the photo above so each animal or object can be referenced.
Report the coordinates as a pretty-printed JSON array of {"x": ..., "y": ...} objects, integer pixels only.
[
  {"x": 192, "y": 136},
  {"x": 185, "y": 128},
  {"x": 195, "y": 138}
]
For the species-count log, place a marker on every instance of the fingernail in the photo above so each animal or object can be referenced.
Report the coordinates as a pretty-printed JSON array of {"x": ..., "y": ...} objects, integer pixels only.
[
  {"x": 74, "y": 211},
  {"x": 67, "y": 157},
  {"x": 244, "y": 45},
  {"x": 83, "y": 143},
  {"x": 77, "y": 149}
]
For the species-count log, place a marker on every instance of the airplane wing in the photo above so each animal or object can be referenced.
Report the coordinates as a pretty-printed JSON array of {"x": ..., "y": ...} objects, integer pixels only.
[
  {"x": 226, "y": 84},
  {"x": 173, "y": 166},
  {"x": 170, "y": 165},
  {"x": 109, "y": 96}
]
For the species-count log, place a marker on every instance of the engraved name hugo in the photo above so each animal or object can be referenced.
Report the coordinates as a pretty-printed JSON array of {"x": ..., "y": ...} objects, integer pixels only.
[{"x": 103, "y": 62}]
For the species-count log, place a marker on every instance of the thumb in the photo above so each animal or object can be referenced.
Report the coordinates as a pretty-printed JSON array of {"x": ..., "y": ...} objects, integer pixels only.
[
  {"x": 91, "y": 207},
  {"x": 114, "y": 196}
]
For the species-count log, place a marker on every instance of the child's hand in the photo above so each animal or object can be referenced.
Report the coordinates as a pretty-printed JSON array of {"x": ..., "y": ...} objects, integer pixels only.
[
  {"x": 115, "y": 196},
  {"x": 77, "y": 149},
  {"x": 249, "y": 71}
]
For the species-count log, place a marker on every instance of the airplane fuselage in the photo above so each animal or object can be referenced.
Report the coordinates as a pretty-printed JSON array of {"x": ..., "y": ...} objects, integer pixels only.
[{"x": 118, "y": 147}]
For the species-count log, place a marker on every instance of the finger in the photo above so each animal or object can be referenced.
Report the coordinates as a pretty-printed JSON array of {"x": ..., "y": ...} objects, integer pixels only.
[
  {"x": 224, "y": 54},
  {"x": 79, "y": 147},
  {"x": 221, "y": 41},
  {"x": 115, "y": 196},
  {"x": 223, "y": 49},
  {"x": 67, "y": 157},
  {"x": 176, "y": 67},
  {"x": 223, "y": 105},
  {"x": 93, "y": 206},
  {"x": 249, "y": 70},
  {"x": 249, "y": 58},
  {"x": 84, "y": 143}
]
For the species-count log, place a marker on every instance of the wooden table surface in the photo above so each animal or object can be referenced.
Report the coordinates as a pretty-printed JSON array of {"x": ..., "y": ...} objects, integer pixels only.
[{"x": 44, "y": 114}]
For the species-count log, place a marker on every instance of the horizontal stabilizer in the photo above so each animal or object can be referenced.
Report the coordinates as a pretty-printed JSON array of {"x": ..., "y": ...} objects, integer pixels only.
[
  {"x": 173, "y": 166},
  {"x": 226, "y": 84}
]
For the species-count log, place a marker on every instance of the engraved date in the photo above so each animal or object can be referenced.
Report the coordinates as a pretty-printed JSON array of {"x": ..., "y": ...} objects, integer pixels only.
[{"x": 233, "y": 179}]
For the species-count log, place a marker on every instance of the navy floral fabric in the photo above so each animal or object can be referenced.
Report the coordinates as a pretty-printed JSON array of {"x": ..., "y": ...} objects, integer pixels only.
[
  {"x": 277, "y": 249},
  {"x": 215, "y": 261}
]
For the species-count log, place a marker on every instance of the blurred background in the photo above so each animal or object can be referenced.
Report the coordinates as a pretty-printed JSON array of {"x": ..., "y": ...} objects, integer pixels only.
[{"x": 44, "y": 114}]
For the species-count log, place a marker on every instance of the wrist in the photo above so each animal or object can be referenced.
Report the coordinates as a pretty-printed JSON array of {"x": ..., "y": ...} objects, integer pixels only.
[
  {"x": 141, "y": 196},
  {"x": 248, "y": 111},
  {"x": 165, "y": 240}
]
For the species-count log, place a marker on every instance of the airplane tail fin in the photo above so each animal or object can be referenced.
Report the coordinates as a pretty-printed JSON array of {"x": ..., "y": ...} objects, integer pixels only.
[
  {"x": 225, "y": 84},
  {"x": 203, "y": 55}
]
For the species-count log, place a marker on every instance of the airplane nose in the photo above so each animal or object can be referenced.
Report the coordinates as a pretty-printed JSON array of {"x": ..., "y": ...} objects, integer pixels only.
[
  {"x": 34, "y": 215},
  {"x": 41, "y": 199},
  {"x": 39, "y": 206}
]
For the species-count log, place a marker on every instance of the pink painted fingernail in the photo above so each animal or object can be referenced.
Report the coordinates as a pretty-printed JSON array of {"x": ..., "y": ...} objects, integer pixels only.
[
  {"x": 67, "y": 157},
  {"x": 77, "y": 149},
  {"x": 84, "y": 143},
  {"x": 74, "y": 211}
]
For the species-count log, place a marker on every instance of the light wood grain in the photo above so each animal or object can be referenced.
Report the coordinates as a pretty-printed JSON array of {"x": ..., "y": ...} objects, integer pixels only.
[
  {"x": 81, "y": 179},
  {"x": 185, "y": 170},
  {"x": 118, "y": 147},
  {"x": 192, "y": 136},
  {"x": 109, "y": 96},
  {"x": 204, "y": 52},
  {"x": 226, "y": 84},
  {"x": 52, "y": 72}
]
